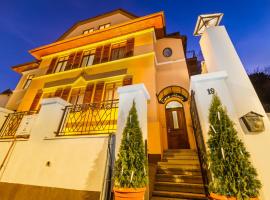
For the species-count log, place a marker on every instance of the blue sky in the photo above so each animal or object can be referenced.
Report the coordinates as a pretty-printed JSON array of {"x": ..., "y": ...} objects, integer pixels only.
[{"x": 27, "y": 24}]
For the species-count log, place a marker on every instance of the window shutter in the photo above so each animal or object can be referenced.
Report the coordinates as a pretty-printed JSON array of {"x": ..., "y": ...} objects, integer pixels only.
[
  {"x": 36, "y": 100},
  {"x": 127, "y": 80},
  {"x": 77, "y": 60},
  {"x": 106, "y": 53},
  {"x": 65, "y": 93},
  {"x": 97, "y": 55},
  {"x": 70, "y": 61},
  {"x": 58, "y": 92},
  {"x": 52, "y": 65},
  {"x": 130, "y": 47},
  {"x": 88, "y": 93},
  {"x": 98, "y": 92}
]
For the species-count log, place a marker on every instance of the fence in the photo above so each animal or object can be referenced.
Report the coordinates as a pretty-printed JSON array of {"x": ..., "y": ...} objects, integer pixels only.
[{"x": 12, "y": 123}]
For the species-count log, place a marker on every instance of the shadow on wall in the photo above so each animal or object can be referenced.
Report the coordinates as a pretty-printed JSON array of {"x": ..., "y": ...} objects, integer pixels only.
[{"x": 97, "y": 166}]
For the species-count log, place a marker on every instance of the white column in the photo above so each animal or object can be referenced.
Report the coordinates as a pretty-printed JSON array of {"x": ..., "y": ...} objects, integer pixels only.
[
  {"x": 220, "y": 54},
  {"x": 3, "y": 115},
  {"x": 49, "y": 117},
  {"x": 127, "y": 94}
]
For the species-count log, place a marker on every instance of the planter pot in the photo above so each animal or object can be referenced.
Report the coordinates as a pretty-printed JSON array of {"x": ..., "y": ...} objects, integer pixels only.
[
  {"x": 221, "y": 197},
  {"x": 129, "y": 193}
]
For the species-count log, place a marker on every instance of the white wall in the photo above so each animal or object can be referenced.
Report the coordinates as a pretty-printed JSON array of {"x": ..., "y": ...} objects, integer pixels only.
[
  {"x": 75, "y": 162},
  {"x": 237, "y": 94}
]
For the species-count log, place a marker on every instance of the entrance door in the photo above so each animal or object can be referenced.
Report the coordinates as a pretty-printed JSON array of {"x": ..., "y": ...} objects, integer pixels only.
[{"x": 176, "y": 126}]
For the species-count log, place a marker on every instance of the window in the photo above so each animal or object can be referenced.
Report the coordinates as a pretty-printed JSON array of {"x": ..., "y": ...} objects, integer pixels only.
[
  {"x": 111, "y": 91},
  {"x": 175, "y": 119},
  {"x": 104, "y": 26},
  {"x": 88, "y": 31},
  {"x": 88, "y": 58},
  {"x": 48, "y": 95},
  {"x": 61, "y": 64},
  {"x": 118, "y": 51},
  {"x": 28, "y": 81},
  {"x": 77, "y": 96}
]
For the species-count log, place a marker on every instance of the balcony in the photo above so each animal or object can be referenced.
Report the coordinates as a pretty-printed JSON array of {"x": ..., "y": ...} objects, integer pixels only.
[{"x": 89, "y": 119}]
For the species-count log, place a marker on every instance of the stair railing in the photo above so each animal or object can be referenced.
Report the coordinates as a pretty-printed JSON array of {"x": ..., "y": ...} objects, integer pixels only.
[{"x": 202, "y": 152}]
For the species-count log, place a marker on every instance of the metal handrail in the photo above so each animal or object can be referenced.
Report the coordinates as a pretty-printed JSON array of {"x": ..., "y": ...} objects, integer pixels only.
[{"x": 200, "y": 142}]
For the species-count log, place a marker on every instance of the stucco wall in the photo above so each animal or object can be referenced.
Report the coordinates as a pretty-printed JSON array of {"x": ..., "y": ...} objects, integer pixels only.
[
  {"x": 240, "y": 99},
  {"x": 113, "y": 20},
  {"x": 74, "y": 163},
  {"x": 172, "y": 71}
]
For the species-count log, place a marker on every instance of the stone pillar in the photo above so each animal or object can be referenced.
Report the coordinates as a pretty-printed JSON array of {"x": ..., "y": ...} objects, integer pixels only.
[
  {"x": 49, "y": 117},
  {"x": 127, "y": 95},
  {"x": 239, "y": 96}
]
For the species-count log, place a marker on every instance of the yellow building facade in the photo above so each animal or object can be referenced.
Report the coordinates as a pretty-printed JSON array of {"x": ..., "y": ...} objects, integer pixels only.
[
  {"x": 68, "y": 101},
  {"x": 96, "y": 56}
]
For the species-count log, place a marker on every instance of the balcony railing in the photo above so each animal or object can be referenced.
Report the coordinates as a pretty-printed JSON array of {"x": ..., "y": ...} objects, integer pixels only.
[
  {"x": 89, "y": 119},
  {"x": 12, "y": 124}
]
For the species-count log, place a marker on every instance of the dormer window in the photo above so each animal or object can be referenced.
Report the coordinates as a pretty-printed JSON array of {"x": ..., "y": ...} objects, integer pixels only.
[
  {"x": 104, "y": 26},
  {"x": 88, "y": 31}
]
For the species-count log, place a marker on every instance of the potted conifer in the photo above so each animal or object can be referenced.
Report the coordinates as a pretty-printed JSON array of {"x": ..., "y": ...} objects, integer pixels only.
[
  {"x": 233, "y": 176},
  {"x": 130, "y": 171}
]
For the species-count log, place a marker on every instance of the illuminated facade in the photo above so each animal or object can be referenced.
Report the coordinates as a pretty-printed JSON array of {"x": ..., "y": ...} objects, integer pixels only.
[
  {"x": 90, "y": 61},
  {"x": 85, "y": 67}
]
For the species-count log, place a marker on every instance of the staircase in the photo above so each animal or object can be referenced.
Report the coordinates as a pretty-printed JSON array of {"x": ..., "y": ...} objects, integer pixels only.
[{"x": 179, "y": 176}]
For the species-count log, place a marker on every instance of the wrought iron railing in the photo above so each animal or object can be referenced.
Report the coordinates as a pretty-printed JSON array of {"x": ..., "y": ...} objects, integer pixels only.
[
  {"x": 200, "y": 142},
  {"x": 106, "y": 193},
  {"x": 93, "y": 118},
  {"x": 12, "y": 123}
]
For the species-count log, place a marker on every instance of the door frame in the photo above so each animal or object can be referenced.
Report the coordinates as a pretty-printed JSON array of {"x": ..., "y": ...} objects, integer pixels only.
[{"x": 184, "y": 116}]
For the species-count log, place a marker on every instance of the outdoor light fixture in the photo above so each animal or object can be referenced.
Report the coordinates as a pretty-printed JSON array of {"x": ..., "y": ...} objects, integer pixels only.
[{"x": 206, "y": 21}]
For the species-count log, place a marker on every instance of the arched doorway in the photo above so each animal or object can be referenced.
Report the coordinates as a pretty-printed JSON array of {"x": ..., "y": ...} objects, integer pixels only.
[{"x": 176, "y": 126}]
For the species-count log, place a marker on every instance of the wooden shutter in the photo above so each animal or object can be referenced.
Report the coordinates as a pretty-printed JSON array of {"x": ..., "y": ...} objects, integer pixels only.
[
  {"x": 70, "y": 61},
  {"x": 127, "y": 80},
  {"x": 106, "y": 53},
  {"x": 130, "y": 47},
  {"x": 88, "y": 93},
  {"x": 65, "y": 93},
  {"x": 97, "y": 55},
  {"x": 98, "y": 92},
  {"x": 58, "y": 92},
  {"x": 52, "y": 65},
  {"x": 34, "y": 105},
  {"x": 77, "y": 60}
]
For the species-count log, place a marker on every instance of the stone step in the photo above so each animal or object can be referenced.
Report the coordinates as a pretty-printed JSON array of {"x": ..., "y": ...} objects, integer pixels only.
[
  {"x": 178, "y": 178},
  {"x": 178, "y": 166},
  {"x": 179, "y": 171},
  {"x": 180, "y": 154},
  {"x": 181, "y": 157},
  {"x": 180, "y": 150},
  {"x": 179, "y": 187},
  {"x": 181, "y": 162},
  {"x": 166, "y": 198},
  {"x": 179, "y": 195}
]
